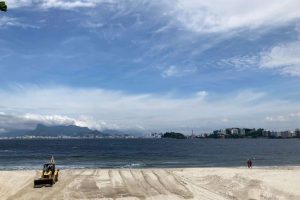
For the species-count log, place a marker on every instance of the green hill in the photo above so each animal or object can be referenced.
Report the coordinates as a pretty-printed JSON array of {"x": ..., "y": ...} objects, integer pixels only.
[{"x": 173, "y": 135}]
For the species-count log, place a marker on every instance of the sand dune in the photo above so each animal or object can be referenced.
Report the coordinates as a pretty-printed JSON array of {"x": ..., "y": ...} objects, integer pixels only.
[{"x": 157, "y": 184}]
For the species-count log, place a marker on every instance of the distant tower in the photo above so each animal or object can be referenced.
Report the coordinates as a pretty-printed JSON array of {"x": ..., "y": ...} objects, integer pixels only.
[
  {"x": 52, "y": 160},
  {"x": 193, "y": 133}
]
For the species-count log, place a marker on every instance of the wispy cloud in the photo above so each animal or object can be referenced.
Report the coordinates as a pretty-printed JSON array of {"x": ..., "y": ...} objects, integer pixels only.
[
  {"x": 278, "y": 118},
  {"x": 14, "y": 22},
  {"x": 61, "y": 4},
  {"x": 19, "y": 3},
  {"x": 284, "y": 58},
  {"x": 194, "y": 15},
  {"x": 284, "y": 118},
  {"x": 175, "y": 71},
  {"x": 240, "y": 62},
  {"x": 58, "y": 4},
  {"x": 297, "y": 114},
  {"x": 216, "y": 16}
]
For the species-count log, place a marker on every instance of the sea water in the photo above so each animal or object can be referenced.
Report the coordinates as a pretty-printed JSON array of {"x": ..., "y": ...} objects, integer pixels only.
[{"x": 148, "y": 153}]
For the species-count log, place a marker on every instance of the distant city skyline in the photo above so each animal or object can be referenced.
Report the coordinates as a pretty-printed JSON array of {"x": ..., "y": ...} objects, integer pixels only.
[{"x": 149, "y": 65}]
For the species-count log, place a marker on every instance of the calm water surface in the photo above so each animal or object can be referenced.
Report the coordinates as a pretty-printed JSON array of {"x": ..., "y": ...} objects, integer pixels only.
[{"x": 121, "y": 153}]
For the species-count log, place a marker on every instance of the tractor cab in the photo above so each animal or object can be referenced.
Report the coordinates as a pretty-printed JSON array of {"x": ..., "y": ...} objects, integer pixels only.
[{"x": 49, "y": 168}]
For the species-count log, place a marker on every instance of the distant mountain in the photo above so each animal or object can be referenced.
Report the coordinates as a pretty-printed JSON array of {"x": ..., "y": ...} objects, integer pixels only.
[
  {"x": 67, "y": 130},
  {"x": 70, "y": 130},
  {"x": 113, "y": 132},
  {"x": 123, "y": 132}
]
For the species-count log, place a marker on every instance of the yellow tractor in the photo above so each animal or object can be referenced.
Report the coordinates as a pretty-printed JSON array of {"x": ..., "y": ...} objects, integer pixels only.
[{"x": 49, "y": 175}]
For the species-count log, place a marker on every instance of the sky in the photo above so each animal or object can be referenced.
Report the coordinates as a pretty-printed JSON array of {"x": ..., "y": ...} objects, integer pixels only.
[{"x": 150, "y": 65}]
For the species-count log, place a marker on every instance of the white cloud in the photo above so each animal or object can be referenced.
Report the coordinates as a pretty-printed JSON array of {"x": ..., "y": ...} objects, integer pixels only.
[
  {"x": 284, "y": 118},
  {"x": 30, "y": 120},
  {"x": 59, "y": 4},
  {"x": 62, "y": 4},
  {"x": 279, "y": 118},
  {"x": 200, "y": 16},
  {"x": 14, "y": 22},
  {"x": 98, "y": 108},
  {"x": 49, "y": 119},
  {"x": 225, "y": 120},
  {"x": 249, "y": 96},
  {"x": 295, "y": 115},
  {"x": 240, "y": 62},
  {"x": 175, "y": 71},
  {"x": 82, "y": 121},
  {"x": 201, "y": 94},
  {"x": 284, "y": 57},
  {"x": 19, "y": 3},
  {"x": 218, "y": 16}
]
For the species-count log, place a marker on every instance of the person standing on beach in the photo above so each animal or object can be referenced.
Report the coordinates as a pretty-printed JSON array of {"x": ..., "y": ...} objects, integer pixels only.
[{"x": 249, "y": 163}]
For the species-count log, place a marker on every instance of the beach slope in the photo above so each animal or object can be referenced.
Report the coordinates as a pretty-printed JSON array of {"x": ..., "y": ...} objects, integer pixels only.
[{"x": 157, "y": 184}]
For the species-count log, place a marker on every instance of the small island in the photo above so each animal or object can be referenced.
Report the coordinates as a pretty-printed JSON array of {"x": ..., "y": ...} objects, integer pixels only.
[{"x": 173, "y": 135}]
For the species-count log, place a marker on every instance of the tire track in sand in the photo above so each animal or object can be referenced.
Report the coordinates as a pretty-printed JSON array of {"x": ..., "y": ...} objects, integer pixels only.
[
  {"x": 142, "y": 183},
  {"x": 172, "y": 184},
  {"x": 202, "y": 193},
  {"x": 45, "y": 193},
  {"x": 134, "y": 189},
  {"x": 117, "y": 188},
  {"x": 82, "y": 186},
  {"x": 154, "y": 182}
]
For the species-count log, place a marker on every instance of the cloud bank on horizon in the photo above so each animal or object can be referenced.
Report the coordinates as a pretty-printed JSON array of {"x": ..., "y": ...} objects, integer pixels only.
[{"x": 150, "y": 65}]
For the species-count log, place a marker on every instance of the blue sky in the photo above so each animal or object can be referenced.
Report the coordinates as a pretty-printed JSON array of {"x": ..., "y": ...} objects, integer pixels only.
[{"x": 150, "y": 65}]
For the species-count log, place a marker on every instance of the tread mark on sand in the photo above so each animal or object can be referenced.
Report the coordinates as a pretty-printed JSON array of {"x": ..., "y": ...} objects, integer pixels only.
[
  {"x": 177, "y": 179},
  {"x": 185, "y": 193},
  {"x": 116, "y": 189},
  {"x": 131, "y": 183},
  {"x": 142, "y": 182},
  {"x": 89, "y": 188},
  {"x": 155, "y": 186},
  {"x": 209, "y": 195}
]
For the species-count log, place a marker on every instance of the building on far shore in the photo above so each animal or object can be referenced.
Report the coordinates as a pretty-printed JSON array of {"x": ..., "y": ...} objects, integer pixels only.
[
  {"x": 219, "y": 132},
  {"x": 297, "y": 132},
  {"x": 234, "y": 131},
  {"x": 286, "y": 134},
  {"x": 237, "y": 131},
  {"x": 154, "y": 135},
  {"x": 242, "y": 131}
]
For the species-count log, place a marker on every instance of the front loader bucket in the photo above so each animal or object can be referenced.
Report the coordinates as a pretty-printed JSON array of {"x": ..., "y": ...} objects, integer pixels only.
[{"x": 43, "y": 182}]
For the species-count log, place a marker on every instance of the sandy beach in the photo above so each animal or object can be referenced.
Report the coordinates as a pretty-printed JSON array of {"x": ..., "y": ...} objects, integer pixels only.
[{"x": 157, "y": 184}]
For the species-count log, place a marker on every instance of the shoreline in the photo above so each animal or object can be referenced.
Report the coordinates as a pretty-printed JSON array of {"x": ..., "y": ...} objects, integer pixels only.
[
  {"x": 157, "y": 184},
  {"x": 145, "y": 138},
  {"x": 37, "y": 168}
]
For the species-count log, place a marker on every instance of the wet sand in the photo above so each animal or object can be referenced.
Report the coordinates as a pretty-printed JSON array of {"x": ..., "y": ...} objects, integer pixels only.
[{"x": 157, "y": 184}]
